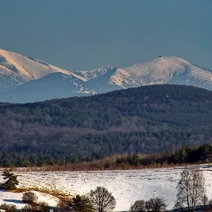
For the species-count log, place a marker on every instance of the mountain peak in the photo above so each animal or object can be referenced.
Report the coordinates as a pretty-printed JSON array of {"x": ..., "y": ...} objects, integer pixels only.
[
  {"x": 8, "y": 60},
  {"x": 173, "y": 70},
  {"x": 16, "y": 69},
  {"x": 28, "y": 77},
  {"x": 28, "y": 66}
]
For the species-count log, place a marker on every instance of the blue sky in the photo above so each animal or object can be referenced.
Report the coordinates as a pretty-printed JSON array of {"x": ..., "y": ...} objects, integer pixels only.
[{"x": 87, "y": 34}]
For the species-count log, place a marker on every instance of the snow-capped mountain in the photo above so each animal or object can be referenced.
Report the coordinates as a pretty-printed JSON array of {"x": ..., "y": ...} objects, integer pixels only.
[
  {"x": 163, "y": 70},
  {"x": 25, "y": 79},
  {"x": 169, "y": 70},
  {"x": 16, "y": 69}
]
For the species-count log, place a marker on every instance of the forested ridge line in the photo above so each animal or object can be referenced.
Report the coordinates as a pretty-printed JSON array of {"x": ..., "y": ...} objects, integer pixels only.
[{"x": 145, "y": 120}]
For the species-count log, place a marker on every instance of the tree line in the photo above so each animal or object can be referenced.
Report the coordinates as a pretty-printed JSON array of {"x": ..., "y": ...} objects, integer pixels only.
[{"x": 182, "y": 155}]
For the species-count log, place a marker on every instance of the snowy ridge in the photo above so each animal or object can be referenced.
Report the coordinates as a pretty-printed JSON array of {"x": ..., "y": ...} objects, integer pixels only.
[
  {"x": 28, "y": 67},
  {"x": 121, "y": 78},
  {"x": 91, "y": 74},
  {"x": 22, "y": 76},
  {"x": 165, "y": 70},
  {"x": 12, "y": 61}
]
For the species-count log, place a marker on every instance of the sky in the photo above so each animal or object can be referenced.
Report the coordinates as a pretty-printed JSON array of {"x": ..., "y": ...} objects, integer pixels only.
[{"x": 88, "y": 34}]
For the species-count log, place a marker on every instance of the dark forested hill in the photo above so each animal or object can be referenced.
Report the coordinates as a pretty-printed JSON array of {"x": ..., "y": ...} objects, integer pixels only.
[{"x": 143, "y": 120}]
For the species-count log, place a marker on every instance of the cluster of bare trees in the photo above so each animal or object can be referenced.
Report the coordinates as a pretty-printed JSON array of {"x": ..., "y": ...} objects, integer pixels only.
[
  {"x": 191, "y": 190},
  {"x": 190, "y": 194},
  {"x": 153, "y": 204}
]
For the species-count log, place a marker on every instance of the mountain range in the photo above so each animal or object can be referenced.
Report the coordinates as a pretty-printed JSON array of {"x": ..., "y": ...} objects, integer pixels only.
[{"x": 25, "y": 79}]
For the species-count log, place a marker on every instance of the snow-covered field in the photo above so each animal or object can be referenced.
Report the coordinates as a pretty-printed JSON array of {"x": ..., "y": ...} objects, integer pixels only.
[{"x": 126, "y": 186}]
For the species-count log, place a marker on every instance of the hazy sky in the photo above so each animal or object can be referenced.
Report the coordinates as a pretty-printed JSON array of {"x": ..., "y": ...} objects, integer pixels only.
[{"x": 87, "y": 34}]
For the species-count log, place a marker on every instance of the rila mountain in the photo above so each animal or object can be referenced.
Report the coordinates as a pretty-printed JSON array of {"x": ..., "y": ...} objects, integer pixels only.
[
  {"x": 25, "y": 79},
  {"x": 144, "y": 119}
]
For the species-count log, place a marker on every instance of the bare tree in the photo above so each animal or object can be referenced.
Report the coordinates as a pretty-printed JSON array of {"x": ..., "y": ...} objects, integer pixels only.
[
  {"x": 155, "y": 204},
  {"x": 101, "y": 199},
  {"x": 190, "y": 189},
  {"x": 138, "y": 206}
]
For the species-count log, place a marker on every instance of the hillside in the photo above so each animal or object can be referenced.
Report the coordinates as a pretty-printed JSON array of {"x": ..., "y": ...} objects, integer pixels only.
[{"x": 143, "y": 120}]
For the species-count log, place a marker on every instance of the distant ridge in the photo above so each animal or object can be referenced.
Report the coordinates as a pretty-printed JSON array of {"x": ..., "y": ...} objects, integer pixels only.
[{"x": 25, "y": 79}]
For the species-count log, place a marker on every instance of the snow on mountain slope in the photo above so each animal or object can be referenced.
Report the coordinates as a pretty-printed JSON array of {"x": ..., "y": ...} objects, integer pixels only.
[
  {"x": 22, "y": 78},
  {"x": 91, "y": 74},
  {"x": 166, "y": 70},
  {"x": 163, "y": 70},
  {"x": 122, "y": 78},
  {"x": 158, "y": 71},
  {"x": 101, "y": 83},
  {"x": 16, "y": 69},
  {"x": 28, "y": 67}
]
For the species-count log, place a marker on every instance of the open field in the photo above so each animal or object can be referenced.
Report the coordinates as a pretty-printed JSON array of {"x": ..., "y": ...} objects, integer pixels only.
[{"x": 125, "y": 185}]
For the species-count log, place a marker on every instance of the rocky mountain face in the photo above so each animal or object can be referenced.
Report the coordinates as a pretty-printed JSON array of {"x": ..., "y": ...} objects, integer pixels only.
[{"x": 24, "y": 79}]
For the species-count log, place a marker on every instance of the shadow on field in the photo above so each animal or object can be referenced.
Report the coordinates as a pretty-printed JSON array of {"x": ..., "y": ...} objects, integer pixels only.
[{"x": 13, "y": 201}]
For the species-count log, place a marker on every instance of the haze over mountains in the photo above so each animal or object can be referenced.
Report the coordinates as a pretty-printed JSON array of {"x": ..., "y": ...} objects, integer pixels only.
[{"x": 24, "y": 79}]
